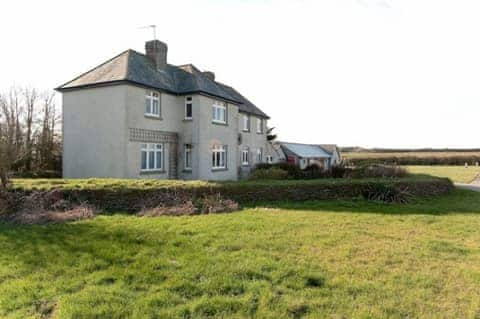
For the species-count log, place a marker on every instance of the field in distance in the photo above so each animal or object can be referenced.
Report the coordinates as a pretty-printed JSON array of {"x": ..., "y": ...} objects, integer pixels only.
[
  {"x": 458, "y": 174},
  {"x": 379, "y": 155}
]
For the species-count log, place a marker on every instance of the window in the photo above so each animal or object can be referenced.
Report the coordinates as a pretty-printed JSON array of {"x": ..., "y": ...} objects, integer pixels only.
[
  {"x": 219, "y": 112},
  {"x": 245, "y": 156},
  {"x": 219, "y": 157},
  {"x": 259, "y": 155},
  {"x": 152, "y": 104},
  {"x": 259, "y": 125},
  {"x": 269, "y": 159},
  {"x": 151, "y": 157},
  {"x": 188, "y": 108},
  {"x": 188, "y": 157},
  {"x": 246, "y": 123}
]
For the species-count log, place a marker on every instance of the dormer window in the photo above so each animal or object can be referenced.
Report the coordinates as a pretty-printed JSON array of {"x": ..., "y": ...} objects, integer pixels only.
[
  {"x": 188, "y": 108},
  {"x": 219, "y": 112},
  {"x": 152, "y": 104}
]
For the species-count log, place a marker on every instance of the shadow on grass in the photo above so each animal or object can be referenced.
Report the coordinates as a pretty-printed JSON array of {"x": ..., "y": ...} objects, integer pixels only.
[{"x": 458, "y": 201}]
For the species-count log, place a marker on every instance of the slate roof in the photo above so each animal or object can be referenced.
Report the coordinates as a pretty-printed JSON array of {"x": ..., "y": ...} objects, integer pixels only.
[
  {"x": 305, "y": 150},
  {"x": 329, "y": 148},
  {"x": 134, "y": 67}
]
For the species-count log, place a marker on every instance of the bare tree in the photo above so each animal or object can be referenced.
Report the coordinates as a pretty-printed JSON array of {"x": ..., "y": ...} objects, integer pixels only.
[
  {"x": 31, "y": 97},
  {"x": 28, "y": 131}
]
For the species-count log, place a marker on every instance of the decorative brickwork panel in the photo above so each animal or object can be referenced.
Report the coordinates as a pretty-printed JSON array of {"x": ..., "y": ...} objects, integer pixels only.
[{"x": 152, "y": 136}]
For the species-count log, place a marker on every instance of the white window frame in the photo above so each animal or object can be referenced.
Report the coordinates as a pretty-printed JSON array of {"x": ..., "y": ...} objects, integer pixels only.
[
  {"x": 150, "y": 98},
  {"x": 269, "y": 159},
  {"x": 246, "y": 123},
  {"x": 259, "y": 125},
  {"x": 245, "y": 157},
  {"x": 157, "y": 150},
  {"x": 188, "y": 150},
  {"x": 188, "y": 101},
  {"x": 219, "y": 108},
  {"x": 259, "y": 155},
  {"x": 219, "y": 157}
]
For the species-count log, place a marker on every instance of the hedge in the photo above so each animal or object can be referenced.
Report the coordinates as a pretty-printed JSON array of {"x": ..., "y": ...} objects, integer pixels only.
[
  {"x": 134, "y": 199},
  {"x": 416, "y": 160}
]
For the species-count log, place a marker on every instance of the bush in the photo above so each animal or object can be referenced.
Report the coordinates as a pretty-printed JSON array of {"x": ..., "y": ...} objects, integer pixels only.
[
  {"x": 269, "y": 173},
  {"x": 38, "y": 174},
  {"x": 387, "y": 193},
  {"x": 379, "y": 171}
]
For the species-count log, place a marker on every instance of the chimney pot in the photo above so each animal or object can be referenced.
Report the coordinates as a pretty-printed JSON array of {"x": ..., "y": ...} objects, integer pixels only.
[{"x": 156, "y": 51}]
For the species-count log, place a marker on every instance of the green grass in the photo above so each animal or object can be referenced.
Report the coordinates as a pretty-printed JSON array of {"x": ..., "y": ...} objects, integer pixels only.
[
  {"x": 340, "y": 259},
  {"x": 458, "y": 174}
]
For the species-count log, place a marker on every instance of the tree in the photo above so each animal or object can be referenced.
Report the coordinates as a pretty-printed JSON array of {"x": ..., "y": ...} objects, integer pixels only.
[
  {"x": 271, "y": 137},
  {"x": 29, "y": 140}
]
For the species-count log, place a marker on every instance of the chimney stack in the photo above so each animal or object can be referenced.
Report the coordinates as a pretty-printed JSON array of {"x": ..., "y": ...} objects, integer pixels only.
[
  {"x": 157, "y": 52},
  {"x": 209, "y": 74}
]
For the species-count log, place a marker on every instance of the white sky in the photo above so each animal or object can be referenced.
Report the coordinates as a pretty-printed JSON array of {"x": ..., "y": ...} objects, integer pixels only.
[{"x": 384, "y": 73}]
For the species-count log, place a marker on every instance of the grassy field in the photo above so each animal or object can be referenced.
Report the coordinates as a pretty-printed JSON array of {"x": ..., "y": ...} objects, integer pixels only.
[
  {"x": 375, "y": 155},
  {"x": 340, "y": 259},
  {"x": 458, "y": 174}
]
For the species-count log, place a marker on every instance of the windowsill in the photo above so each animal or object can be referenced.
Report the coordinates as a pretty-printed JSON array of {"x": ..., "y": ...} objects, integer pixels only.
[
  {"x": 187, "y": 170},
  {"x": 246, "y": 131},
  {"x": 153, "y": 117},
  {"x": 220, "y": 123},
  {"x": 245, "y": 165},
  {"x": 188, "y": 119},
  {"x": 219, "y": 169},
  {"x": 158, "y": 171},
  {"x": 260, "y": 133}
]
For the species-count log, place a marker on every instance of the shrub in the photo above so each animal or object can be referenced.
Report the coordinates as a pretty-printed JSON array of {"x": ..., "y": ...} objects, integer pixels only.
[
  {"x": 269, "y": 173},
  {"x": 387, "y": 193},
  {"x": 380, "y": 171},
  {"x": 339, "y": 171}
]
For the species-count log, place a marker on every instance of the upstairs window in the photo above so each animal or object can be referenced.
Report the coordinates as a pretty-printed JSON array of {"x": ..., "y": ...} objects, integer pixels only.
[
  {"x": 188, "y": 157},
  {"x": 245, "y": 156},
  {"x": 259, "y": 125},
  {"x": 188, "y": 108},
  {"x": 245, "y": 123},
  {"x": 151, "y": 157},
  {"x": 219, "y": 157},
  {"x": 152, "y": 104},
  {"x": 219, "y": 113}
]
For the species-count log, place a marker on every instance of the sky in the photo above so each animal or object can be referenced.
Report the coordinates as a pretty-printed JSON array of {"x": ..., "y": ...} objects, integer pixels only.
[{"x": 371, "y": 73}]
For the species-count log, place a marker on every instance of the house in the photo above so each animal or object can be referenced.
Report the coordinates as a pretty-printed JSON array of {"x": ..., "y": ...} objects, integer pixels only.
[
  {"x": 303, "y": 155},
  {"x": 137, "y": 116}
]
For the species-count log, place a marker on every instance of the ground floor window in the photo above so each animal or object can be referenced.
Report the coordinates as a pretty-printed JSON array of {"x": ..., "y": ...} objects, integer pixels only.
[
  {"x": 151, "y": 157},
  {"x": 245, "y": 156},
  {"x": 219, "y": 156},
  {"x": 260, "y": 155},
  {"x": 188, "y": 157},
  {"x": 269, "y": 159}
]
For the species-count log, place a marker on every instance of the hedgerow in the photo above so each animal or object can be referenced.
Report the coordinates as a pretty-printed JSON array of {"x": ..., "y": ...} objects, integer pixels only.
[{"x": 138, "y": 199}]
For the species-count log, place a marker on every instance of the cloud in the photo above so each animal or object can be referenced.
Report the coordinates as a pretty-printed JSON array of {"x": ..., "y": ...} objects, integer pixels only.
[{"x": 381, "y": 4}]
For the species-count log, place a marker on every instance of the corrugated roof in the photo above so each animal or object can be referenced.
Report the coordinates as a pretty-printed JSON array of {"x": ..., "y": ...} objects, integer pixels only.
[
  {"x": 306, "y": 150},
  {"x": 135, "y": 67}
]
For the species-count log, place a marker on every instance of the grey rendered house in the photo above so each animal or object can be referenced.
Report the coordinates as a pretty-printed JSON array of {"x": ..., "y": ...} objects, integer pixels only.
[{"x": 136, "y": 116}]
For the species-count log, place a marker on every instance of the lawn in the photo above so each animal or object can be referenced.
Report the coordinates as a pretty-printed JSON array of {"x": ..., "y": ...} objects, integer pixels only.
[
  {"x": 340, "y": 259},
  {"x": 458, "y": 174}
]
